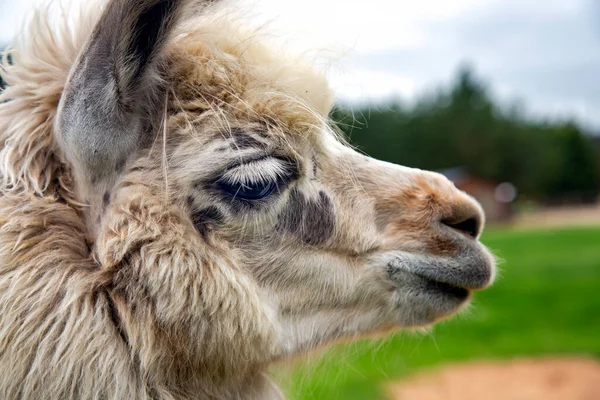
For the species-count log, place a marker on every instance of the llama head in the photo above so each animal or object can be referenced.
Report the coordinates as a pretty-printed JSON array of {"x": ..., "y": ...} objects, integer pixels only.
[{"x": 217, "y": 187}]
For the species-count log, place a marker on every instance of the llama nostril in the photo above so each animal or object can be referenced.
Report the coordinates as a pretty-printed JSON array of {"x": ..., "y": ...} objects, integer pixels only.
[{"x": 471, "y": 226}]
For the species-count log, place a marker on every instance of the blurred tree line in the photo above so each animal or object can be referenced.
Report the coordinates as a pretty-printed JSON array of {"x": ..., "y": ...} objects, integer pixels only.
[
  {"x": 9, "y": 58},
  {"x": 2, "y": 83},
  {"x": 461, "y": 126}
]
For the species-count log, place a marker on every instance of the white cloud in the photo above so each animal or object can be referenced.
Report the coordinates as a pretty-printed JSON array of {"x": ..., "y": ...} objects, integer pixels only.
[
  {"x": 543, "y": 52},
  {"x": 358, "y": 84},
  {"x": 363, "y": 26},
  {"x": 13, "y": 14}
]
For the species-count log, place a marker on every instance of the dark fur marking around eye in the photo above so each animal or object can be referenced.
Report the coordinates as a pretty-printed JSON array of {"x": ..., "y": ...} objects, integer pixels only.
[
  {"x": 120, "y": 165},
  {"x": 106, "y": 199},
  {"x": 312, "y": 220},
  {"x": 205, "y": 219},
  {"x": 244, "y": 140},
  {"x": 95, "y": 178}
]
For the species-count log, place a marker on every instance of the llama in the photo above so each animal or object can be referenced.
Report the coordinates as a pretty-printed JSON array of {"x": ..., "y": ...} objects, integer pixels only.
[{"x": 177, "y": 213}]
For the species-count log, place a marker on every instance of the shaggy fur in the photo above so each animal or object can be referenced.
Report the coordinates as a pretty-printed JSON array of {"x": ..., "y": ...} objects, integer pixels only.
[{"x": 140, "y": 257}]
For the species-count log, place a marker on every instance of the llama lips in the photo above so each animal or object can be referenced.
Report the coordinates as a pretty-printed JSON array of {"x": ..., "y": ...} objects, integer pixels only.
[
  {"x": 447, "y": 289},
  {"x": 473, "y": 270},
  {"x": 405, "y": 279}
]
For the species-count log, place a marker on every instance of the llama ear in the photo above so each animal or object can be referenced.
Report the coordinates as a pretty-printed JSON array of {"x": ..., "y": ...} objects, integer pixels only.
[{"x": 112, "y": 92}]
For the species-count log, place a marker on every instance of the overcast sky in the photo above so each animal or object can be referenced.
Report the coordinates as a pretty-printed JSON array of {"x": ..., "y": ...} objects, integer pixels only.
[{"x": 545, "y": 53}]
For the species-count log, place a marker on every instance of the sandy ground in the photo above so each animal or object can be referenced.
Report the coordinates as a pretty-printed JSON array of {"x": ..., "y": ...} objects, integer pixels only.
[{"x": 522, "y": 379}]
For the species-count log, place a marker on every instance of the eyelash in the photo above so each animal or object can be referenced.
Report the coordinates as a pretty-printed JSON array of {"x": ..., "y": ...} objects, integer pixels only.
[{"x": 260, "y": 189}]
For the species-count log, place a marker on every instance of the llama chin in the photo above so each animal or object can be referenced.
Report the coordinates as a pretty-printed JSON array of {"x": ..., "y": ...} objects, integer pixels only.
[{"x": 177, "y": 212}]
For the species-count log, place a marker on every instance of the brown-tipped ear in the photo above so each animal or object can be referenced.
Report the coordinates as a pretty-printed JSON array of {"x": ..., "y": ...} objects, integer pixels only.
[{"x": 112, "y": 92}]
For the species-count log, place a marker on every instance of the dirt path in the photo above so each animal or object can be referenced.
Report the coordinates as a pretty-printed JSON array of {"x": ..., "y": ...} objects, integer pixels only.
[{"x": 522, "y": 379}]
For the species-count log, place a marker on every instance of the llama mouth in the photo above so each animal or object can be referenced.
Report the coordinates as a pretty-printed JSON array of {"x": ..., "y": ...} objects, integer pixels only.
[
  {"x": 446, "y": 289},
  {"x": 423, "y": 300},
  {"x": 404, "y": 277},
  {"x": 473, "y": 271}
]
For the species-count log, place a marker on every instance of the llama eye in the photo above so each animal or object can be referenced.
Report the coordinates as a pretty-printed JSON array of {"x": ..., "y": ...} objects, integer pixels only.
[
  {"x": 250, "y": 191},
  {"x": 257, "y": 179}
]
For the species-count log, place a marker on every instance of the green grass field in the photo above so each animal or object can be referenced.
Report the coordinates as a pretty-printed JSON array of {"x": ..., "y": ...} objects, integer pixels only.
[{"x": 546, "y": 301}]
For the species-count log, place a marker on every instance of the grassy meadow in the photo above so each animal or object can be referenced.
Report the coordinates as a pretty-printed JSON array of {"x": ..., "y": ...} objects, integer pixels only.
[{"x": 546, "y": 301}]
